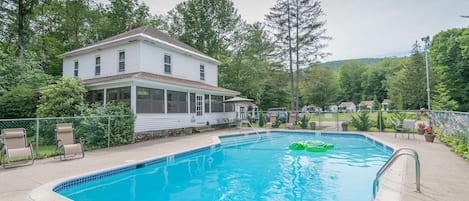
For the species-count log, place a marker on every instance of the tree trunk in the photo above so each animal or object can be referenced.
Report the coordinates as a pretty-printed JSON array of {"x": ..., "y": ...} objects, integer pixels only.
[
  {"x": 292, "y": 86},
  {"x": 19, "y": 43},
  {"x": 297, "y": 58}
]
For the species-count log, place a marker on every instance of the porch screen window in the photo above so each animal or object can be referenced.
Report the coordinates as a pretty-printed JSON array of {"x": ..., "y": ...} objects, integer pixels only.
[
  {"x": 118, "y": 95},
  {"x": 95, "y": 96},
  {"x": 167, "y": 63},
  {"x": 229, "y": 107},
  {"x": 207, "y": 103},
  {"x": 122, "y": 61},
  {"x": 97, "y": 67},
  {"x": 217, "y": 103},
  {"x": 192, "y": 103},
  {"x": 150, "y": 100},
  {"x": 177, "y": 102},
  {"x": 75, "y": 69},
  {"x": 202, "y": 72}
]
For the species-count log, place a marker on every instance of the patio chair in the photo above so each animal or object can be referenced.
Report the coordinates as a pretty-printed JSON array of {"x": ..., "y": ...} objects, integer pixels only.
[
  {"x": 15, "y": 148},
  {"x": 66, "y": 143},
  {"x": 408, "y": 126}
]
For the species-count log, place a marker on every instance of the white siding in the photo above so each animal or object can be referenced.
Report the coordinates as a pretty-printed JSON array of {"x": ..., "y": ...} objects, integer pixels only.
[
  {"x": 109, "y": 62},
  {"x": 182, "y": 65},
  {"x": 152, "y": 122}
]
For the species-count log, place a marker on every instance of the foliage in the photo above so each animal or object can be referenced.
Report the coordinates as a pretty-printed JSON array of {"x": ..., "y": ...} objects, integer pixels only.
[
  {"x": 398, "y": 117},
  {"x": 277, "y": 123},
  {"x": 458, "y": 144},
  {"x": 350, "y": 76},
  {"x": 304, "y": 121},
  {"x": 361, "y": 121},
  {"x": 319, "y": 87},
  {"x": 95, "y": 131},
  {"x": 261, "y": 119},
  {"x": 19, "y": 102},
  {"x": 380, "y": 121},
  {"x": 335, "y": 65},
  {"x": 62, "y": 99}
]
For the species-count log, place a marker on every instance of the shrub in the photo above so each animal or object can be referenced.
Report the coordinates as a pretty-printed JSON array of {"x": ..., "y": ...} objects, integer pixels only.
[
  {"x": 380, "y": 122},
  {"x": 276, "y": 123},
  {"x": 304, "y": 122},
  {"x": 19, "y": 102},
  {"x": 361, "y": 121},
  {"x": 261, "y": 119}
]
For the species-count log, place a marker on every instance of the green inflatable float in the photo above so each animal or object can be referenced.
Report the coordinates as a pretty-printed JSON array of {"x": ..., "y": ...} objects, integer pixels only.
[{"x": 311, "y": 146}]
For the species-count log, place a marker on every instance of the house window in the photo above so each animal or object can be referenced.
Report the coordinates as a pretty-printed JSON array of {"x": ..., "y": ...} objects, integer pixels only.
[
  {"x": 97, "y": 66},
  {"x": 150, "y": 100},
  {"x": 192, "y": 102},
  {"x": 122, "y": 61},
  {"x": 207, "y": 103},
  {"x": 229, "y": 107},
  {"x": 75, "y": 69},
  {"x": 217, "y": 103},
  {"x": 95, "y": 97},
  {"x": 118, "y": 95},
  {"x": 202, "y": 72},
  {"x": 167, "y": 63},
  {"x": 177, "y": 102}
]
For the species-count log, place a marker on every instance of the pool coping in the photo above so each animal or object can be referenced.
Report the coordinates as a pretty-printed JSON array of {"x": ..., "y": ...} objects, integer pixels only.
[{"x": 46, "y": 191}]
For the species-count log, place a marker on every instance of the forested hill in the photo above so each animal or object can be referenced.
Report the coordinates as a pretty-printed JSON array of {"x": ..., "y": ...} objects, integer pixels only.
[{"x": 336, "y": 64}]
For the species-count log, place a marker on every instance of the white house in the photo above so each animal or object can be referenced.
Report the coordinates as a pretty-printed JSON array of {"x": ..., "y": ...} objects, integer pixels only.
[
  {"x": 167, "y": 83},
  {"x": 348, "y": 107},
  {"x": 366, "y": 105}
]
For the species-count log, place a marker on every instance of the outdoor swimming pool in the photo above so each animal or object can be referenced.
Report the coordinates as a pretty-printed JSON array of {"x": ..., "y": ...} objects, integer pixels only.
[{"x": 245, "y": 167}]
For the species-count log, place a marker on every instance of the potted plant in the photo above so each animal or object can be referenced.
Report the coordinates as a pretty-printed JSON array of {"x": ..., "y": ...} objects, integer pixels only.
[
  {"x": 421, "y": 128},
  {"x": 429, "y": 133},
  {"x": 344, "y": 126}
]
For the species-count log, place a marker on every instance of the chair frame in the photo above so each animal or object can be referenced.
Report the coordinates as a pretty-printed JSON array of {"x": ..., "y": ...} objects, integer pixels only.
[
  {"x": 404, "y": 128},
  {"x": 60, "y": 147},
  {"x": 4, "y": 151}
]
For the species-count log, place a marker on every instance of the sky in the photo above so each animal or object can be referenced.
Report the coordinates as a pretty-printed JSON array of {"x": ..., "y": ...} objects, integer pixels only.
[{"x": 364, "y": 28}]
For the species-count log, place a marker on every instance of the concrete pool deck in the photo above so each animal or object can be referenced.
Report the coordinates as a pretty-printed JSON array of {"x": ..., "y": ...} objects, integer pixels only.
[{"x": 444, "y": 175}]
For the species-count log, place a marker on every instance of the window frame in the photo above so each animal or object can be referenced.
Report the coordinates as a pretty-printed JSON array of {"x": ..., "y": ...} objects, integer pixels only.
[
  {"x": 121, "y": 61},
  {"x": 97, "y": 65},
  {"x": 75, "y": 68},
  {"x": 156, "y": 105},
  {"x": 167, "y": 65},
  {"x": 179, "y": 105},
  {"x": 202, "y": 72}
]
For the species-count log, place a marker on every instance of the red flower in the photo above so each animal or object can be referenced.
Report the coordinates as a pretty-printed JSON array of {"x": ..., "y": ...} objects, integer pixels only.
[{"x": 429, "y": 129}]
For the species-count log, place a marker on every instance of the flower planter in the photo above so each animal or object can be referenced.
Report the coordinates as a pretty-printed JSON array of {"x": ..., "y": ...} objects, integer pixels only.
[{"x": 429, "y": 138}]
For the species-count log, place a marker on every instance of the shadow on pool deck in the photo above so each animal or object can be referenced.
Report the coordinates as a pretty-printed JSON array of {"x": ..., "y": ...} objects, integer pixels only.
[{"x": 444, "y": 175}]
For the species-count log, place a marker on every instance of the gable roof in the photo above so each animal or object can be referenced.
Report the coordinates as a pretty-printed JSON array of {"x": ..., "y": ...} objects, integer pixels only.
[
  {"x": 346, "y": 104},
  {"x": 367, "y": 103},
  {"x": 145, "y": 32},
  {"x": 162, "y": 79}
]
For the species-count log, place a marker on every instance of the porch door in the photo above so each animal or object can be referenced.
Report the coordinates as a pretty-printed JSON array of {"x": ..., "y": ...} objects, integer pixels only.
[{"x": 198, "y": 105}]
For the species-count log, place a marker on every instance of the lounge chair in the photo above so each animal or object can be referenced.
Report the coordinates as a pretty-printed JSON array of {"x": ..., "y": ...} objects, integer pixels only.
[
  {"x": 15, "y": 147},
  {"x": 408, "y": 126},
  {"x": 66, "y": 142}
]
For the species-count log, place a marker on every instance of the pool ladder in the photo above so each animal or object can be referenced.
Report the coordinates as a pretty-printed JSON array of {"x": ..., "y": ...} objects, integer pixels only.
[
  {"x": 250, "y": 125},
  {"x": 395, "y": 155}
]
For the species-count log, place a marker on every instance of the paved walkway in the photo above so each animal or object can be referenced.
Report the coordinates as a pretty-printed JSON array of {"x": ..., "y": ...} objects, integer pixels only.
[{"x": 444, "y": 176}]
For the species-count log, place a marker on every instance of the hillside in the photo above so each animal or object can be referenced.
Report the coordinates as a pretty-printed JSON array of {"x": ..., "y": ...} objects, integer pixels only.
[{"x": 336, "y": 64}]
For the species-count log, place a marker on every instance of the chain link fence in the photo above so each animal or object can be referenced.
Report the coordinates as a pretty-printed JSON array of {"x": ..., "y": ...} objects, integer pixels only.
[
  {"x": 97, "y": 131},
  {"x": 452, "y": 123}
]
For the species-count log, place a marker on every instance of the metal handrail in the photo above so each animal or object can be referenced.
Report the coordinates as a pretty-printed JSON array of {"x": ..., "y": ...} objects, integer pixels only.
[
  {"x": 395, "y": 155},
  {"x": 252, "y": 127}
]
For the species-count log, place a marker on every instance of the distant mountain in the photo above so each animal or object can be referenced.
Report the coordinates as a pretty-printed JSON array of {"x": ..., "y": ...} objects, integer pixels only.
[{"x": 336, "y": 64}]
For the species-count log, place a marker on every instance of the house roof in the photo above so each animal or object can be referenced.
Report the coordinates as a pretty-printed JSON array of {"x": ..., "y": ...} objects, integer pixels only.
[
  {"x": 145, "y": 32},
  {"x": 161, "y": 79},
  {"x": 367, "y": 103},
  {"x": 346, "y": 104},
  {"x": 386, "y": 101}
]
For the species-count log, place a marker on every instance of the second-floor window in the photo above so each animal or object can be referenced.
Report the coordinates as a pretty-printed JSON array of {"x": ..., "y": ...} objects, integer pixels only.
[
  {"x": 122, "y": 61},
  {"x": 202, "y": 72},
  {"x": 75, "y": 69},
  {"x": 167, "y": 63},
  {"x": 97, "y": 67}
]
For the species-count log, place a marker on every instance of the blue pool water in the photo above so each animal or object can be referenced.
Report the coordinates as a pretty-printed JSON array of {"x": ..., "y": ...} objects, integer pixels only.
[{"x": 247, "y": 167}]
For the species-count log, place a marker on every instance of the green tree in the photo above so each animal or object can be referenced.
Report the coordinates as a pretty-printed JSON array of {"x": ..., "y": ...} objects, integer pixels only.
[
  {"x": 62, "y": 99},
  {"x": 319, "y": 87},
  {"x": 449, "y": 56},
  {"x": 205, "y": 25},
  {"x": 19, "y": 102},
  {"x": 350, "y": 76}
]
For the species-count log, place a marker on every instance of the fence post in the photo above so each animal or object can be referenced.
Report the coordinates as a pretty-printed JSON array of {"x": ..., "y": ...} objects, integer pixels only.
[
  {"x": 37, "y": 137},
  {"x": 108, "y": 132},
  {"x": 337, "y": 120},
  {"x": 319, "y": 119}
]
